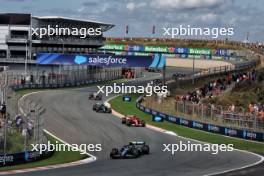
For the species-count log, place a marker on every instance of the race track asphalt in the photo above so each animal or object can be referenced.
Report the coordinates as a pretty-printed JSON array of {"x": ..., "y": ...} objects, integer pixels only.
[{"x": 69, "y": 116}]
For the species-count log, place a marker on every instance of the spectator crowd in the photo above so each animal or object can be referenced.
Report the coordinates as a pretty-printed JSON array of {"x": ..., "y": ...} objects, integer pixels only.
[{"x": 215, "y": 87}]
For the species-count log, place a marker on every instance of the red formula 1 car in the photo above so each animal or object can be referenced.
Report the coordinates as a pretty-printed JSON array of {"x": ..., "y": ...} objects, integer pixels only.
[
  {"x": 95, "y": 96},
  {"x": 132, "y": 120}
]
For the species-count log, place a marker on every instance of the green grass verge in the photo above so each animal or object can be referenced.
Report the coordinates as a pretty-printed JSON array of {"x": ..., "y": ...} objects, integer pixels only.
[
  {"x": 130, "y": 108},
  {"x": 15, "y": 142},
  {"x": 59, "y": 157}
]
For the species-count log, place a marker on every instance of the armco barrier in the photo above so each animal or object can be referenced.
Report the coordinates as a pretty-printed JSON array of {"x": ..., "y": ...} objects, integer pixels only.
[
  {"x": 244, "y": 134},
  {"x": 54, "y": 86}
]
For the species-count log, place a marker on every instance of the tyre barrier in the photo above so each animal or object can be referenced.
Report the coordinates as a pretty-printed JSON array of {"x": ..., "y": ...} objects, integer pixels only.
[{"x": 212, "y": 128}]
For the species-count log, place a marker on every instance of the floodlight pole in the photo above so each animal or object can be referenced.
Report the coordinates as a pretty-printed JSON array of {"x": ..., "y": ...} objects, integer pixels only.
[
  {"x": 193, "y": 72},
  {"x": 164, "y": 71},
  {"x": 62, "y": 53},
  {"x": 164, "y": 75},
  {"x": 5, "y": 137},
  {"x": 26, "y": 59}
]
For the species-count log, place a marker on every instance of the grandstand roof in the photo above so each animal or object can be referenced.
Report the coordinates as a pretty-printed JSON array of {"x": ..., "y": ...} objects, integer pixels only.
[{"x": 106, "y": 26}]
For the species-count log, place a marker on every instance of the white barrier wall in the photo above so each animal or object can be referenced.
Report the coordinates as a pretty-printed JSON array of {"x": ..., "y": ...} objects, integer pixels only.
[{"x": 4, "y": 31}]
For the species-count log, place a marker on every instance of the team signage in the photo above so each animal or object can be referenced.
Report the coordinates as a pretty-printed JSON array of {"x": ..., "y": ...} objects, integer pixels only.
[{"x": 105, "y": 60}]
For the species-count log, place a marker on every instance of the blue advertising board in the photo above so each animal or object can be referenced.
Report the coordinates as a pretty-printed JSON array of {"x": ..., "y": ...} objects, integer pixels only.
[
  {"x": 105, "y": 60},
  {"x": 181, "y": 50},
  {"x": 134, "y": 48},
  {"x": 22, "y": 157},
  {"x": 156, "y": 118},
  {"x": 126, "y": 98}
]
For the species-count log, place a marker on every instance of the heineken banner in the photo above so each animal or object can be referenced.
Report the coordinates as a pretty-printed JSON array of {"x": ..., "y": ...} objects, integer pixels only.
[
  {"x": 199, "y": 51},
  {"x": 165, "y": 49},
  {"x": 105, "y": 60},
  {"x": 161, "y": 49},
  {"x": 114, "y": 47}
]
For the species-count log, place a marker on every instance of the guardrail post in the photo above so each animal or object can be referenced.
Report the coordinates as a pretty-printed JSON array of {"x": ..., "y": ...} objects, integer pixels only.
[
  {"x": 211, "y": 113},
  {"x": 202, "y": 111},
  {"x": 255, "y": 120}
]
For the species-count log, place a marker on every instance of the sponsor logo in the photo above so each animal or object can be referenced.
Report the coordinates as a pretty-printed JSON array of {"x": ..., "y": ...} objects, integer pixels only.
[
  {"x": 147, "y": 110},
  {"x": 6, "y": 159},
  {"x": 247, "y": 134},
  {"x": 213, "y": 128},
  {"x": 184, "y": 122},
  {"x": 197, "y": 125},
  {"x": 172, "y": 119},
  {"x": 230, "y": 132}
]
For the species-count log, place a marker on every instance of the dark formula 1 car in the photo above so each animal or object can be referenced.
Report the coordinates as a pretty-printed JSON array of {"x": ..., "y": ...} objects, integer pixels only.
[
  {"x": 131, "y": 120},
  {"x": 178, "y": 75},
  {"x": 100, "y": 107},
  {"x": 95, "y": 96},
  {"x": 132, "y": 150}
]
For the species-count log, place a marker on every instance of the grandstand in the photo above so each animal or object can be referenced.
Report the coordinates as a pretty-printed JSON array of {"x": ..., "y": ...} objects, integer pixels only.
[{"x": 18, "y": 43}]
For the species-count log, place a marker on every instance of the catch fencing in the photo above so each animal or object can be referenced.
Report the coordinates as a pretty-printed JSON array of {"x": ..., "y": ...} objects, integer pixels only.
[
  {"x": 21, "y": 125},
  {"x": 23, "y": 122},
  {"x": 66, "y": 77},
  {"x": 238, "y": 118}
]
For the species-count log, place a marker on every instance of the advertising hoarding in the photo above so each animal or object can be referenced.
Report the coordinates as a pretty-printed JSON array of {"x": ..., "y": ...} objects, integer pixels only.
[{"x": 104, "y": 60}]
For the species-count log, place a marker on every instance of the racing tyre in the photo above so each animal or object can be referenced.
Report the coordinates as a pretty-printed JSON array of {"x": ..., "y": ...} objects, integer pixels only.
[
  {"x": 145, "y": 149},
  {"x": 135, "y": 153},
  {"x": 113, "y": 152},
  {"x": 128, "y": 123},
  {"x": 123, "y": 121},
  {"x": 143, "y": 123}
]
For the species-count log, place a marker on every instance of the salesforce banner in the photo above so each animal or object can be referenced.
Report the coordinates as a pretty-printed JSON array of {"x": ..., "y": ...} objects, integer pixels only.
[{"x": 105, "y": 60}]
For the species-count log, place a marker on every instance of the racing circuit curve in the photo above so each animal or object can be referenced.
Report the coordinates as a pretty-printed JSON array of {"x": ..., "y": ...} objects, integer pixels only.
[{"x": 69, "y": 116}]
